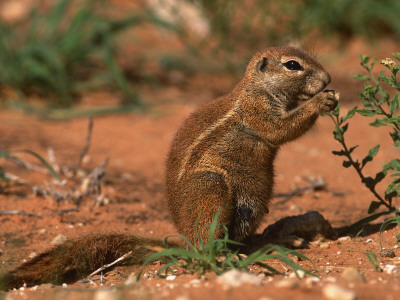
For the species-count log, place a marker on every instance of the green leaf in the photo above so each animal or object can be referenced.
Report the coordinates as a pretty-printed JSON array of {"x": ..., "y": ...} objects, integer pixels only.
[
  {"x": 349, "y": 114},
  {"x": 366, "y": 220},
  {"x": 41, "y": 159},
  {"x": 366, "y": 112},
  {"x": 379, "y": 122},
  {"x": 394, "y": 104},
  {"x": 361, "y": 77},
  {"x": 373, "y": 151},
  {"x": 371, "y": 154},
  {"x": 374, "y": 206},
  {"x": 394, "y": 164}
]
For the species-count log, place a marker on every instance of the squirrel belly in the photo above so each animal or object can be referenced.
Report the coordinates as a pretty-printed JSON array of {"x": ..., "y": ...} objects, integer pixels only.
[{"x": 221, "y": 159}]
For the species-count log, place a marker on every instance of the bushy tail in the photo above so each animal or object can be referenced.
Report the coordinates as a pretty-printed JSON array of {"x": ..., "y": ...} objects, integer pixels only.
[{"x": 77, "y": 258}]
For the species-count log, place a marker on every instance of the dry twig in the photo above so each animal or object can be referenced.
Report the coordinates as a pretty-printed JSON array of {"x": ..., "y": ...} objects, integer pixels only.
[
  {"x": 18, "y": 212},
  {"x": 111, "y": 264}
]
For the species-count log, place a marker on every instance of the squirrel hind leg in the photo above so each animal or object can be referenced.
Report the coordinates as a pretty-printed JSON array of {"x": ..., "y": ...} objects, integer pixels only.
[{"x": 205, "y": 194}]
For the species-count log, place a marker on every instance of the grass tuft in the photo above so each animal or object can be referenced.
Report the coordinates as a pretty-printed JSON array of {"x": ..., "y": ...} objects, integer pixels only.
[{"x": 216, "y": 255}]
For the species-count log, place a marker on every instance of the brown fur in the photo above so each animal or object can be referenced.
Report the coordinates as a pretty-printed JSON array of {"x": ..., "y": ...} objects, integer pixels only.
[
  {"x": 220, "y": 160},
  {"x": 222, "y": 156}
]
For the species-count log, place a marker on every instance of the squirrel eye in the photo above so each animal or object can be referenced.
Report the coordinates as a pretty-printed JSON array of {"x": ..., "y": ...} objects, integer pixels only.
[{"x": 293, "y": 65}]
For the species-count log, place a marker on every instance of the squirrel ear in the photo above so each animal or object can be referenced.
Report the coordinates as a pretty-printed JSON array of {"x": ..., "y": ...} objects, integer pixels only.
[{"x": 262, "y": 65}]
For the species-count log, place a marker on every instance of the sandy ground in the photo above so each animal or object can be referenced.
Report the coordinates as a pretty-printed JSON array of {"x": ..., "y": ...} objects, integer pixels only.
[{"x": 137, "y": 144}]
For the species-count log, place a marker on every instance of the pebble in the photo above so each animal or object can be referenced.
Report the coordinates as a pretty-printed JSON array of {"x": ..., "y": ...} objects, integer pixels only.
[
  {"x": 287, "y": 283},
  {"x": 324, "y": 246},
  {"x": 337, "y": 292},
  {"x": 353, "y": 274},
  {"x": 106, "y": 295},
  {"x": 387, "y": 253},
  {"x": 131, "y": 279},
  {"x": 59, "y": 239},
  {"x": 171, "y": 277},
  {"x": 369, "y": 241},
  {"x": 183, "y": 297},
  {"x": 344, "y": 238},
  {"x": 295, "y": 208},
  {"x": 300, "y": 274},
  {"x": 311, "y": 281},
  {"x": 235, "y": 278},
  {"x": 32, "y": 255},
  {"x": 391, "y": 269}
]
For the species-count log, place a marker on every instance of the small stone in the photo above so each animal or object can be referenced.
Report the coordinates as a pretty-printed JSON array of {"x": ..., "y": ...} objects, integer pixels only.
[
  {"x": 183, "y": 297},
  {"x": 353, "y": 274},
  {"x": 391, "y": 269},
  {"x": 300, "y": 274},
  {"x": 132, "y": 279},
  {"x": 32, "y": 255},
  {"x": 59, "y": 239},
  {"x": 45, "y": 286},
  {"x": 195, "y": 283},
  {"x": 295, "y": 208},
  {"x": 344, "y": 239},
  {"x": 311, "y": 281},
  {"x": 42, "y": 231},
  {"x": 287, "y": 283},
  {"x": 387, "y": 253},
  {"x": 171, "y": 277},
  {"x": 106, "y": 295},
  {"x": 324, "y": 246},
  {"x": 369, "y": 241},
  {"x": 235, "y": 278},
  {"x": 336, "y": 292}
]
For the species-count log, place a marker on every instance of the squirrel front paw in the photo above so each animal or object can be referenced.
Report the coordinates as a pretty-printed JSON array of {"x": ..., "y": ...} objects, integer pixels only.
[{"x": 326, "y": 101}]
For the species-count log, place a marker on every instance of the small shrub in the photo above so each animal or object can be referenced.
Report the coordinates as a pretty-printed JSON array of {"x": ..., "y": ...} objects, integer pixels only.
[
  {"x": 382, "y": 103},
  {"x": 58, "y": 55}
]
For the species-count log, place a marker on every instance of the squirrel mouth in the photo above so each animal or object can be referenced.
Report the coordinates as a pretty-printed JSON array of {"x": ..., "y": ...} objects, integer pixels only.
[{"x": 304, "y": 97}]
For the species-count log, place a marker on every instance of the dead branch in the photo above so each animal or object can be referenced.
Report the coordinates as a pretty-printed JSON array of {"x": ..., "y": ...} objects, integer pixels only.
[
  {"x": 63, "y": 211},
  {"x": 121, "y": 274},
  {"x": 111, "y": 264},
  {"x": 18, "y": 212},
  {"x": 318, "y": 184},
  {"x": 52, "y": 159},
  {"x": 87, "y": 144}
]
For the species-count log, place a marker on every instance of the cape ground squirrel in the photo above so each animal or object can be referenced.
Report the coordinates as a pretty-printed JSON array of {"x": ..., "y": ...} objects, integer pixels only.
[{"x": 220, "y": 160}]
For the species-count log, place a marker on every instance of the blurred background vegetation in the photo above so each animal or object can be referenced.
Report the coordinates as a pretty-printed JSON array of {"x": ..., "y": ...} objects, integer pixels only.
[{"x": 59, "y": 51}]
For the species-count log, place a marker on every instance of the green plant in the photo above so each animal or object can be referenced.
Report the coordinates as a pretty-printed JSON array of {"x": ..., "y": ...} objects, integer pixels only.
[
  {"x": 384, "y": 105},
  {"x": 393, "y": 220},
  {"x": 373, "y": 260},
  {"x": 5, "y": 154},
  {"x": 366, "y": 18},
  {"x": 63, "y": 52},
  {"x": 217, "y": 255}
]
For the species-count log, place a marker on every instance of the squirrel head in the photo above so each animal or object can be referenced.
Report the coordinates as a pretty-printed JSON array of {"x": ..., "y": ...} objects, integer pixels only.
[{"x": 290, "y": 71}]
